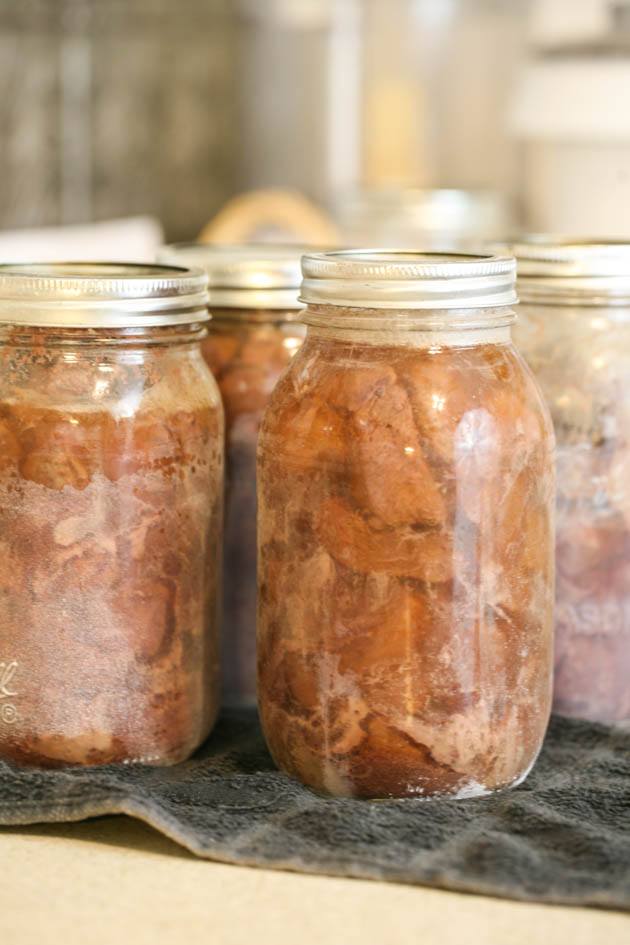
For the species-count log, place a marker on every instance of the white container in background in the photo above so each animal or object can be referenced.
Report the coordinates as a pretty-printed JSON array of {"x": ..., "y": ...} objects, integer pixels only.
[
  {"x": 571, "y": 114},
  {"x": 560, "y": 24}
]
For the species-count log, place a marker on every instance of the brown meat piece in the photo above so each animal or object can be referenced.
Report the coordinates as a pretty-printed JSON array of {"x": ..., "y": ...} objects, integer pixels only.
[
  {"x": 391, "y": 763},
  {"x": 9, "y": 447},
  {"x": 440, "y": 397},
  {"x": 384, "y": 437},
  {"x": 57, "y": 453},
  {"x": 318, "y": 434},
  {"x": 368, "y": 546}
]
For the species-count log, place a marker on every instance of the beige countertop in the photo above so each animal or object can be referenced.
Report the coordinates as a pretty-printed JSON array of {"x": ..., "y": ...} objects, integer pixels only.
[{"x": 113, "y": 880}]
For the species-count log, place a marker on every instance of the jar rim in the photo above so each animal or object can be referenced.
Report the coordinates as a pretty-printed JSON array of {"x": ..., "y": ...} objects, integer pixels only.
[
  {"x": 101, "y": 294},
  {"x": 568, "y": 271},
  {"x": 405, "y": 279},
  {"x": 245, "y": 275}
]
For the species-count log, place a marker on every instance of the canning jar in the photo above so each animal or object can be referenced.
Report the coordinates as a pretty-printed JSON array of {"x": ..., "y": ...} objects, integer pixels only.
[
  {"x": 254, "y": 333},
  {"x": 111, "y": 475},
  {"x": 574, "y": 329},
  {"x": 405, "y": 534}
]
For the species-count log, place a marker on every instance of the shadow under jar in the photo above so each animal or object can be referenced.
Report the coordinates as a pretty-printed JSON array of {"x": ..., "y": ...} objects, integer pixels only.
[
  {"x": 254, "y": 333},
  {"x": 111, "y": 476},
  {"x": 574, "y": 330},
  {"x": 405, "y": 534}
]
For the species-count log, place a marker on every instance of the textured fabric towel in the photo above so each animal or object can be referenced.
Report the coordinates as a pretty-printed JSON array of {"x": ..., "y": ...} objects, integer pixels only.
[{"x": 562, "y": 836}]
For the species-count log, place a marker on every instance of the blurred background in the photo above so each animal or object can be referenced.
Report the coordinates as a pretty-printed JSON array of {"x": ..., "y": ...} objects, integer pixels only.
[{"x": 408, "y": 122}]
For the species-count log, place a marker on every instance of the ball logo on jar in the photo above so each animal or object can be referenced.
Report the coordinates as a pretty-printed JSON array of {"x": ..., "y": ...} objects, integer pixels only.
[
  {"x": 8, "y": 712},
  {"x": 595, "y": 618}
]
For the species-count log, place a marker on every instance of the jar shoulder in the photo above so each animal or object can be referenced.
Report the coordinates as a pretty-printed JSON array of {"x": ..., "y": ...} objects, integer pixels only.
[
  {"x": 559, "y": 342},
  {"x": 68, "y": 416},
  {"x": 581, "y": 360},
  {"x": 127, "y": 381},
  {"x": 428, "y": 392}
]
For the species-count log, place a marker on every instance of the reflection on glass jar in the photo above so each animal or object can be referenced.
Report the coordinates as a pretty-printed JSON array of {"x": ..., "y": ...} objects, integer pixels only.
[
  {"x": 111, "y": 476},
  {"x": 251, "y": 339},
  {"x": 405, "y": 534},
  {"x": 574, "y": 329}
]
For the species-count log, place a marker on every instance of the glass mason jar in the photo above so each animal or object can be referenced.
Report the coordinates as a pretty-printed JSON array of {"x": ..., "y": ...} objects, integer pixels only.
[
  {"x": 574, "y": 330},
  {"x": 111, "y": 476},
  {"x": 405, "y": 534},
  {"x": 254, "y": 333}
]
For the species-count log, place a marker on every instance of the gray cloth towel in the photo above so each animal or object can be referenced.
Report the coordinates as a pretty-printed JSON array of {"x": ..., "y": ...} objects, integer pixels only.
[{"x": 562, "y": 836}]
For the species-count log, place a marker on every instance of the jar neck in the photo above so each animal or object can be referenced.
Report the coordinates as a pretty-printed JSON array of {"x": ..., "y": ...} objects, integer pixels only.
[
  {"x": 419, "y": 328},
  {"x": 266, "y": 316},
  {"x": 597, "y": 315},
  {"x": 50, "y": 336}
]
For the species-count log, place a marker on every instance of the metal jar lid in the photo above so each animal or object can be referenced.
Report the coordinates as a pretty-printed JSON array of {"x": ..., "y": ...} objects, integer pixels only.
[
  {"x": 246, "y": 276},
  {"x": 561, "y": 271},
  {"x": 101, "y": 295},
  {"x": 400, "y": 279}
]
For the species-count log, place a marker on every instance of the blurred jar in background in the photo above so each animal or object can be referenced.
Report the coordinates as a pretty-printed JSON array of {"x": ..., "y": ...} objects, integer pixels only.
[
  {"x": 574, "y": 329},
  {"x": 436, "y": 219},
  {"x": 405, "y": 531},
  {"x": 253, "y": 335},
  {"x": 111, "y": 500}
]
